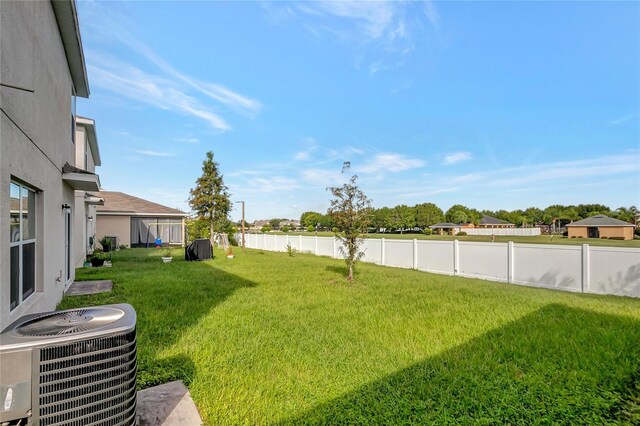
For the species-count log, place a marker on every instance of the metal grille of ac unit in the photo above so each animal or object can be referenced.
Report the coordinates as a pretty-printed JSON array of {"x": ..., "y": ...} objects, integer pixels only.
[{"x": 89, "y": 382}]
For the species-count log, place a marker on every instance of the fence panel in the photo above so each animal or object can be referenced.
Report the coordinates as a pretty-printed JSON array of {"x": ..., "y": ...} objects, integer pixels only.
[
  {"x": 372, "y": 251},
  {"x": 484, "y": 260},
  {"x": 325, "y": 246},
  {"x": 294, "y": 240},
  {"x": 308, "y": 245},
  {"x": 602, "y": 270},
  {"x": 436, "y": 256},
  {"x": 548, "y": 266},
  {"x": 614, "y": 271},
  {"x": 503, "y": 231},
  {"x": 398, "y": 253}
]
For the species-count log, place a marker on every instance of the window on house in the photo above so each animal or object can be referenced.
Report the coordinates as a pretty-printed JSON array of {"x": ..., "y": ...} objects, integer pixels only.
[{"x": 22, "y": 235}]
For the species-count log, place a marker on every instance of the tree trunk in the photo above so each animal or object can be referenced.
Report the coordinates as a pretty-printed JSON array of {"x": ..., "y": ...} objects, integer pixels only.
[{"x": 350, "y": 277}]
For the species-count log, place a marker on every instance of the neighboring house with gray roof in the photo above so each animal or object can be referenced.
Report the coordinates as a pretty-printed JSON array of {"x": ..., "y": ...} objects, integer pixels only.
[
  {"x": 493, "y": 222},
  {"x": 137, "y": 222},
  {"x": 601, "y": 226}
]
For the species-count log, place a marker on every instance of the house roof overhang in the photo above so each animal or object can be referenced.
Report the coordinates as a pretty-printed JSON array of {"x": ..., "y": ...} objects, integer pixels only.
[
  {"x": 136, "y": 214},
  {"x": 79, "y": 179},
  {"x": 67, "y": 20},
  {"x": 92, "y": 136},
  {"x": 93, "y": 200}
]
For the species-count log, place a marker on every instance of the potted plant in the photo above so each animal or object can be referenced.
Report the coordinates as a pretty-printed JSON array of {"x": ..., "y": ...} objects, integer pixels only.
[
  {"x": 166, "y": 256},
  {"x": 229, "y": 252},
  {"x": 98, "y": 258},
  {"x": 105, "y": 242}
]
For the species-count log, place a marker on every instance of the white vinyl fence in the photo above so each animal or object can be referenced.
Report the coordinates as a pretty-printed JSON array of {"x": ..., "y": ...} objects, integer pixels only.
[
  {"x": 525, "y": 232},
  {"x": 586, "y": 269}
]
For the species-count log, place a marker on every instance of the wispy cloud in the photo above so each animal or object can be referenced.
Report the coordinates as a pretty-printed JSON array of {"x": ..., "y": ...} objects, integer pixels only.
[
  {"x": 391, "y": 26},
  {"x": 154, "y": 90},
  {"x": 150, "y": 153},
  {"x": 311, "y": 146},
  {"x": 622, "y": 119},
  {"x": 116, "y": 29},
  {"x": 390, "y": 163},
  {"x": 456, "y": 157},
  {"x": 323, "y": 177}
]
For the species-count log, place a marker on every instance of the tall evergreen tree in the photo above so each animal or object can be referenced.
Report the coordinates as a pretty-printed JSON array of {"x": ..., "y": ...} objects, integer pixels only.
[
  {"x": 351, "y": 210},
  {"x": 210, "y": 198}
]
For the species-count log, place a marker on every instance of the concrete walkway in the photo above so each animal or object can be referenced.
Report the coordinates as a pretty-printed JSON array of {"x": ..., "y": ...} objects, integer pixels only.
[
  {"x": 168, "y": 405},
  {"x": 82, "y": 288}
]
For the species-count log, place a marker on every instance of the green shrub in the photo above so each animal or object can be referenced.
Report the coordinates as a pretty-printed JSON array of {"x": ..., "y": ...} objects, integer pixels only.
[
  {"x": 616, "y": 238},
  {"x": 462, "y": 234},
  {"x": 427, "y": 231},
  {"x": 310, "y": 228},
  {"x": 291, "y": 251}
]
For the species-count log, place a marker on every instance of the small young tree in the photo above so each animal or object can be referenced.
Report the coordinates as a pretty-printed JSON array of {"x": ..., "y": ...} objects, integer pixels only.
[
  {"x": 351, "y": 210},
  {"x": 210, "y": 198}
]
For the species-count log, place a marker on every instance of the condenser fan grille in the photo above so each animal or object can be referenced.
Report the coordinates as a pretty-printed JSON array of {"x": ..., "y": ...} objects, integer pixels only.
[
  {"x": 90, "y": 382},
  {"x": 70, "y": 322}
]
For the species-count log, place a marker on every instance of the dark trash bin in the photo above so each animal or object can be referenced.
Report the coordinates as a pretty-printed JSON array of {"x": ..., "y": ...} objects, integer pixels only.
[{"x": 198, "y": 250}]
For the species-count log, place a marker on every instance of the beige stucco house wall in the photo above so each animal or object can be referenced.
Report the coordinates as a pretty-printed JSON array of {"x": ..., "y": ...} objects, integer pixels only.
[
  {"x": 119, "y": 226},
  {"x": 625, "y": 232},
  {"x": 41, "y": 67}
]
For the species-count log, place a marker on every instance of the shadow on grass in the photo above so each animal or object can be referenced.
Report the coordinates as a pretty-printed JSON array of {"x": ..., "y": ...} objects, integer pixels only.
[
  {"x": 168, "y": 299},
  {"x": 558, "y": 365}
]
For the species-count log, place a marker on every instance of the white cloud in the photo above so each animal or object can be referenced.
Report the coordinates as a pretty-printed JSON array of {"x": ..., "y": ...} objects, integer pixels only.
[
  {"x": 390, "y": 163},
  {"x": 150, "y": 153},
  {"x": 160, "y": 92},
  {"x": 456, "y": 157},
  {"x": 109, "y": 26},
  {"x": 323, "y": 177},
  {"x": 621, "y": 120},
  {"x": 306, "y": 154},
  {"x": 302, "y": 155},
  {"x": 372, "y": 18}
]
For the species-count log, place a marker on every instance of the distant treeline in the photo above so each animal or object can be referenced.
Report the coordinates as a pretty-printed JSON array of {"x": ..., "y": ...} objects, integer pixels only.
[{"x": 426, "y": 214}]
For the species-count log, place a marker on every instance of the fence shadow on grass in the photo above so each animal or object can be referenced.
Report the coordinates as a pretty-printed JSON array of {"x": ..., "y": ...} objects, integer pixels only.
[
  {"x": 558, "y": 365},
  {"x": 169, "y": 299}
]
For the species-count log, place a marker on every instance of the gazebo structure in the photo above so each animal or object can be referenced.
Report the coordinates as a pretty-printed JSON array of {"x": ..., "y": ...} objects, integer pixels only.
[{"x": 446, "y": 227}]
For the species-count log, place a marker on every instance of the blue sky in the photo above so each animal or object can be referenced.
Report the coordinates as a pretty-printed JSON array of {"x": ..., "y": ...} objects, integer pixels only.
[{"x": 494, "y": 105}]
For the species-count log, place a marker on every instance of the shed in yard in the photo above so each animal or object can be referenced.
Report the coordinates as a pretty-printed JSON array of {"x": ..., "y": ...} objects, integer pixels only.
[
  {"x": 601, "y": 226},
  {"x": 137, "y": 222}
]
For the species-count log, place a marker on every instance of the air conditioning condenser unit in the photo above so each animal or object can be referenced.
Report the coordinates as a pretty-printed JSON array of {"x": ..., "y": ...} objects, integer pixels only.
[{"x": 72, "y": 367}]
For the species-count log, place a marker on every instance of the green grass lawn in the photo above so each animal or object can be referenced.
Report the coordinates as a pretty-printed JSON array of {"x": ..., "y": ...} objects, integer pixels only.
[
  {"x": 538, "y": 239},
  {"x": 269, "y": 339}
]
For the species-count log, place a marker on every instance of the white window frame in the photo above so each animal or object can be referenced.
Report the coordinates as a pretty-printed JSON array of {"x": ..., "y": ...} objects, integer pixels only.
[{"x": 21, "y": 243}]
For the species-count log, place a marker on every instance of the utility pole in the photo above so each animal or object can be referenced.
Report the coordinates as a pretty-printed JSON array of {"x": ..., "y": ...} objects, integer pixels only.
[{"x": 242, "y": 224}]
